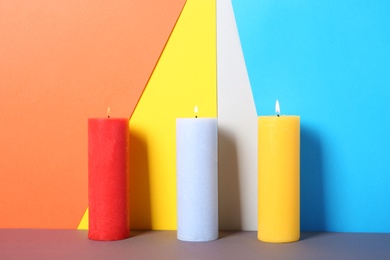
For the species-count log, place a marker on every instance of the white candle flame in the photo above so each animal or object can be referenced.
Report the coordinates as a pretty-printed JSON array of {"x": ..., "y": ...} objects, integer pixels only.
[
  {"x": 277, "y": 108},
  {"x": 196, "y": 111},
  {"x": 108, "y": 112}
]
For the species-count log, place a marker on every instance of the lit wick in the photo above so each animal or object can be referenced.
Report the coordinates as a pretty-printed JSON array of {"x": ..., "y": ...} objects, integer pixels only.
[
  {"x": 196, "y": 111},
  {"x": 277, "y": 108},
  {"x": 108, "y": 112}
]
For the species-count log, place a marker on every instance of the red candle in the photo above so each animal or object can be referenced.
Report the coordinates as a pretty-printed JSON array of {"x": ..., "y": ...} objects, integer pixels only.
[{"x": 108, "y": 174}]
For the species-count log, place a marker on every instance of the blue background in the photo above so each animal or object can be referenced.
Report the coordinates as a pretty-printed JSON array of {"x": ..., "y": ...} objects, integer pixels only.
[{"x": 329, "y": 62}]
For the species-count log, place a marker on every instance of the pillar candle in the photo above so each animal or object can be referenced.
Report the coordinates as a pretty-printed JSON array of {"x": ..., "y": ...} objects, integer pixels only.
[
  {"x": 278, "y": 178},
  {"x": 197, "y": 179},
  {"x": 108, "y": 173}
]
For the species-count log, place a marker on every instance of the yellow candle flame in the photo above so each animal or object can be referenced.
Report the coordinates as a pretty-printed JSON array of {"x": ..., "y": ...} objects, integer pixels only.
[
  {"x": 196, "y": 111},
  {"x": 108, "y": 112},
  {"x": 277, "y": 108}
]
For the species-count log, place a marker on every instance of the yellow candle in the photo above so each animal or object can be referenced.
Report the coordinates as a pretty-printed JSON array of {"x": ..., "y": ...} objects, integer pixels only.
[{"x": 278, "y": 182}]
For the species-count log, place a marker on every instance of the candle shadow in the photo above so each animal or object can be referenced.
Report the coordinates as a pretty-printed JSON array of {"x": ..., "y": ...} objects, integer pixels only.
[
  {"x": 228, "y": 183},
  {"x": 140, "y": 204},
  {"x": 313, "y": 208}
]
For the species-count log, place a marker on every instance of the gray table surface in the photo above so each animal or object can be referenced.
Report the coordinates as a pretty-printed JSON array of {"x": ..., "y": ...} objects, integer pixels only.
[{"x": 243, "y": 245}]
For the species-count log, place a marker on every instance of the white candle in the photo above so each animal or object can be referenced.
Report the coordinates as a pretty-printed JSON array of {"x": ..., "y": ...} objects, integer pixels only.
[{"x": 197, "y": 179}]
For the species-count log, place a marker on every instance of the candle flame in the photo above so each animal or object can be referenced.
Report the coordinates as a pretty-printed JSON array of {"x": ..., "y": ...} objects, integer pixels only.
[
  {"x": 108, "y": 112},
  {"x": 196, "y": 111},
  {"x": 277, "y": 108}
]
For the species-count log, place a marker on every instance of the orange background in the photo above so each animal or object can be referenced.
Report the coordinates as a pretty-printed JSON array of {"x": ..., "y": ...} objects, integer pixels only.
[{"x": 62, "y": 62}]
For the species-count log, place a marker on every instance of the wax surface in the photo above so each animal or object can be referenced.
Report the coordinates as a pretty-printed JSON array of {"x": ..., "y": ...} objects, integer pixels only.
[
  {"x": 197, "y": 179},
  {"x": 108, "y": 171},
  {"x": 278, "y": 172}
]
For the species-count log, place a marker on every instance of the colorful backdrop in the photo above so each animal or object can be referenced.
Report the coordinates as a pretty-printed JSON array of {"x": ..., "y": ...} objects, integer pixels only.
[{"x": 64, "y": 62}]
